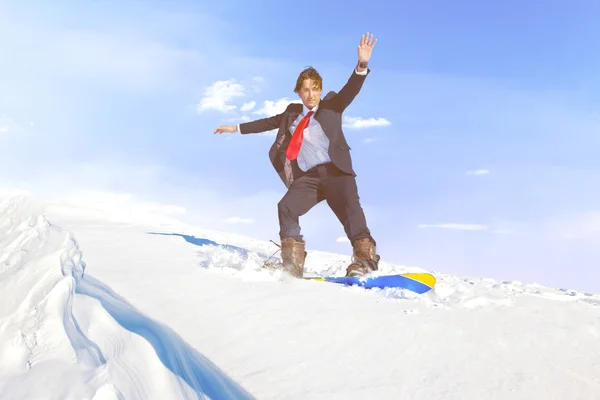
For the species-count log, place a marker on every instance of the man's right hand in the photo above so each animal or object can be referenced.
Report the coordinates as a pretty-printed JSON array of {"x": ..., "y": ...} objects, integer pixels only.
[{"x": 226, "y": 128}]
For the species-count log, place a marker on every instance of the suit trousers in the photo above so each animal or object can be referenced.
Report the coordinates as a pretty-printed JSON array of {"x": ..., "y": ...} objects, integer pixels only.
[{"x": 323, "y": 182}]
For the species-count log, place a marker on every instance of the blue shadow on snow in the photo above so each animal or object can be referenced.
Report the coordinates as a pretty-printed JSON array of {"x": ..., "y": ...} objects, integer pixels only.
[
  {"x": 201, "y": 242},
  {"x": 207, "y": 242},
  {"x": 202, "y": 376}
]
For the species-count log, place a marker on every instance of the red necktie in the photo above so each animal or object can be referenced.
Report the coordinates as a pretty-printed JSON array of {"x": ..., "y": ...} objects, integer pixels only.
[{"x": 296, "y": 142}]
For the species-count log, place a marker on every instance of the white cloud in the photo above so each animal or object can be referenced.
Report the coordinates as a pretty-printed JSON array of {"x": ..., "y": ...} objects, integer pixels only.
[
  {"x": 238, "y": 220},
  {"x": 369, "y": 140},
  {"x": 272, "y": 108},
  {"x": 245, "y": 118},
  {"x": 3, "y": 129},
  {"x": 342, "y": 239},
  {"x": 478, "y": 172},
  {"x": 360, "y": 123},
  {"x": 457, "y": 226},
  {"x": 219, "y": 94},
  {"x": 248, "y": 106}
]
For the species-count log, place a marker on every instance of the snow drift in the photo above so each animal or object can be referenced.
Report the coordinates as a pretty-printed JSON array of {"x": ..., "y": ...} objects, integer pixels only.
[
  {"x": 63, "y": 335},
  {"x": 99, "y": 308}
]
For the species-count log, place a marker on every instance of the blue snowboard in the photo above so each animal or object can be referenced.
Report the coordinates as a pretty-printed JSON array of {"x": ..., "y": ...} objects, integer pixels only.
[{"x": 416, "y": 282}]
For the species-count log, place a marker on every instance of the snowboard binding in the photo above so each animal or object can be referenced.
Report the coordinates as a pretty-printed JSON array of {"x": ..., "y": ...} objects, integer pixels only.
[{"x": 360, "y": 268}]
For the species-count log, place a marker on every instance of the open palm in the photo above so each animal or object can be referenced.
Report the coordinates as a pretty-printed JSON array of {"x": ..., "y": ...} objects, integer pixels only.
[{"x": 365, "y": 48}]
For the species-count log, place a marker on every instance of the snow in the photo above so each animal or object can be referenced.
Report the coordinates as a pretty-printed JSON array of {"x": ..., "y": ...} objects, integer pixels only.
[{"x": 102, "y": 297}]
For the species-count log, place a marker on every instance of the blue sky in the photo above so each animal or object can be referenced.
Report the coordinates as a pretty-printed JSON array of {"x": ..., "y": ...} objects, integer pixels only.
[{"x": 475, "y": 137}]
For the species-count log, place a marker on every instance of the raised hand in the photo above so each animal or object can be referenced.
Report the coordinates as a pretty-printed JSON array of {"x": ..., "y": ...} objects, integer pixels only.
[
  {"x": 226, "y": 128},
  {"x": 366, "y": 47}
]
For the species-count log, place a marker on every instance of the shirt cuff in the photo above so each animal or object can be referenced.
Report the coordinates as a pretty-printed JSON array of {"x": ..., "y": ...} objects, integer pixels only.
[{"x": 360, "y": 73}]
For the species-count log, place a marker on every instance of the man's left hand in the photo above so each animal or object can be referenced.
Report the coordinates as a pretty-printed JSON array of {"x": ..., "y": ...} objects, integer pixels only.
[{"x": 366, "y": 47}]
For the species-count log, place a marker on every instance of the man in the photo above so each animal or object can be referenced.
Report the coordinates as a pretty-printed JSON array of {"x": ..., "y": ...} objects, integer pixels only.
[{"x": 312, "y": 158}]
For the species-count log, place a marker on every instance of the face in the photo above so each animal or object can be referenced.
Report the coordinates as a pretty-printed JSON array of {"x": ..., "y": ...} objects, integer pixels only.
[{"x": 309, "y": 93}]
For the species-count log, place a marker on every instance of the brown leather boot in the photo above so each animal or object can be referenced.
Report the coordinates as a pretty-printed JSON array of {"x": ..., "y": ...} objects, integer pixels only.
[
  {"x": 364, "y": 258},
  {"x": 293, "y": 255}
]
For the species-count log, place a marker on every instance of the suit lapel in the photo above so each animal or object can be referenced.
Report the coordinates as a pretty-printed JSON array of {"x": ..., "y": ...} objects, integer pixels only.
[{"x": 292, "y": 115}]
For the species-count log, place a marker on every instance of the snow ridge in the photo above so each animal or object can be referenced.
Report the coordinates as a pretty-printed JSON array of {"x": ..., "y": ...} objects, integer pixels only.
[{"x": 57, "y": 325}]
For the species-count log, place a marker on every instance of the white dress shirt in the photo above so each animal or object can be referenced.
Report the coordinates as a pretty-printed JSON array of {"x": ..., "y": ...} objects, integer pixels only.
[{"x": 315, "y": 143}]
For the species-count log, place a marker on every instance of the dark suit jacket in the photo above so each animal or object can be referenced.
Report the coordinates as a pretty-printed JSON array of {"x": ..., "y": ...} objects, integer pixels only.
[{"x": 329, "y": 115}]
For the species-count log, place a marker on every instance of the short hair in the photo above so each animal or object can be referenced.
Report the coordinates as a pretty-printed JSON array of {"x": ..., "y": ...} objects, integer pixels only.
[{"x": 309, "y": 73}]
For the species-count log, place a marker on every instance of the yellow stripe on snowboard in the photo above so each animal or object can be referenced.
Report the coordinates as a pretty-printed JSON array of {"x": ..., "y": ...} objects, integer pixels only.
[{"x": 424, "y": 278}]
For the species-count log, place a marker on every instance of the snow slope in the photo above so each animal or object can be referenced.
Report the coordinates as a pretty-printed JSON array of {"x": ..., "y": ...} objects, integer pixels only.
[{"x": 115, "y": 300}]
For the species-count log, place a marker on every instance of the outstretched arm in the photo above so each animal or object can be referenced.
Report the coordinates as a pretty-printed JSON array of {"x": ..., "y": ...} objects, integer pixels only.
[
  {"x": 347, "y": 94},
  {"x": 260, "y": 125}
]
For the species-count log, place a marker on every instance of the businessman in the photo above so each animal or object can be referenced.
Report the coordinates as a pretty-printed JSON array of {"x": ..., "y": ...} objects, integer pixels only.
[{"x": 312, "y": 158}]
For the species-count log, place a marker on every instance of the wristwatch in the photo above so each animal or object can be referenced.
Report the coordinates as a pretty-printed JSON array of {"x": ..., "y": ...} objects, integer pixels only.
[{"x": 363, "y": 64}]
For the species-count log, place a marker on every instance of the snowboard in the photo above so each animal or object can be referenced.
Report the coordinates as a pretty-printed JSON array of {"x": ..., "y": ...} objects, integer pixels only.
[{"x": 416, "y": 282}]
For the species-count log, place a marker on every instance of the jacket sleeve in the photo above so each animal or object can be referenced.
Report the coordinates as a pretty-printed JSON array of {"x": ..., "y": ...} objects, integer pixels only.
[
  {"x": 261, "y": 125},
  {"x": 347, "y": 94}
]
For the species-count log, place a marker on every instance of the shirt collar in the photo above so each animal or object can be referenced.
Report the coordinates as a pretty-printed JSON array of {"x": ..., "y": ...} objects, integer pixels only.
[{"x": 305, "y": 109}]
